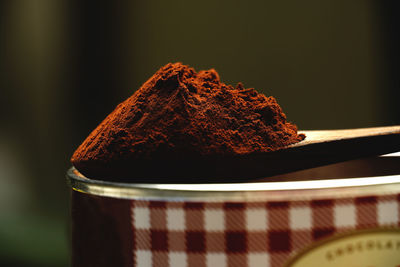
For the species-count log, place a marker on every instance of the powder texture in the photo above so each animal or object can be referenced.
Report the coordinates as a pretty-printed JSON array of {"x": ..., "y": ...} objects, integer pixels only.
[{"x": 181, "y": 118}]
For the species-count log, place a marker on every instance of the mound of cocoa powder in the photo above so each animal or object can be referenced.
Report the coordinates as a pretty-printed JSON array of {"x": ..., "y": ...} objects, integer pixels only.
[{"x": 183, "y": 125}]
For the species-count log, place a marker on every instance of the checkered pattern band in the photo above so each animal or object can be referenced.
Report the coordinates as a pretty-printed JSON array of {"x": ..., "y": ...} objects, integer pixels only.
[{"x": 228, "y": 234}]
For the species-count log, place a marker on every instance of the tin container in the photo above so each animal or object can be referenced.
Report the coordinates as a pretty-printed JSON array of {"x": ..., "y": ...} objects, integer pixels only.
[{"x": 345, "y": 214}]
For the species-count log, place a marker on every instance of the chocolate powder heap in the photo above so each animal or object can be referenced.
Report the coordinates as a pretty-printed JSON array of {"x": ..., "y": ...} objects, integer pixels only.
[{"x": 183, "y": 125}]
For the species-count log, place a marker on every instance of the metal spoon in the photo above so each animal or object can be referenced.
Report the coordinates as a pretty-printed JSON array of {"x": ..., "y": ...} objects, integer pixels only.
[{"x": 319, "y": 148}]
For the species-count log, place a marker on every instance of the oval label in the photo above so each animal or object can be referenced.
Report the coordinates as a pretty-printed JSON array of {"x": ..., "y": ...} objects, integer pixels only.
[{"x": 364, "y": 248}]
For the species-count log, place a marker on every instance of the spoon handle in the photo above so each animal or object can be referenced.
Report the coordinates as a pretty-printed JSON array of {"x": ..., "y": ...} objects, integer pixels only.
[{"x": 319, "y": 136}]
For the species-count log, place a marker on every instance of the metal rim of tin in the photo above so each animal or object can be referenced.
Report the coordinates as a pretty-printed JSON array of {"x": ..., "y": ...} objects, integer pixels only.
[{"x": 262, "y": 191}]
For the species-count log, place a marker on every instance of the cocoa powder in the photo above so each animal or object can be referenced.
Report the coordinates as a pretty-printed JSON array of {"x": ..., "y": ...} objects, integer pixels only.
[{"x": 183, "y": 125}]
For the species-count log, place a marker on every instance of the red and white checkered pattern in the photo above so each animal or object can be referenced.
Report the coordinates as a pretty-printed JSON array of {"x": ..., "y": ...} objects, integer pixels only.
[{"x": 228, "y": 234}]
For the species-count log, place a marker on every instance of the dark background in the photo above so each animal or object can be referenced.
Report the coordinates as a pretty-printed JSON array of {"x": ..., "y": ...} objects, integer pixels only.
[{"x": 64, "y": 65}]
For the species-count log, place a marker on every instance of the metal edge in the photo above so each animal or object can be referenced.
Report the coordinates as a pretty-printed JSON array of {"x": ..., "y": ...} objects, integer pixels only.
[{"x": 264, "y": 191}]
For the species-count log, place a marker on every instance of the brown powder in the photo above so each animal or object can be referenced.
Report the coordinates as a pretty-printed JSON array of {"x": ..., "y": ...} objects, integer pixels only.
[{"x": 184, "y": 126}]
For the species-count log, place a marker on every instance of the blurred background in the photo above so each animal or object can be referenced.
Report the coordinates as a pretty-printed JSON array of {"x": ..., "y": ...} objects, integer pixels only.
[{"x": 64, "y": 65}]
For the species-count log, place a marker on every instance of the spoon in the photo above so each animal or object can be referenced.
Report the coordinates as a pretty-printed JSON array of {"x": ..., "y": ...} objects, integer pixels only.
[
  {"x": 326, "y": 147},
  {"x": 317, "y": 149}
]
